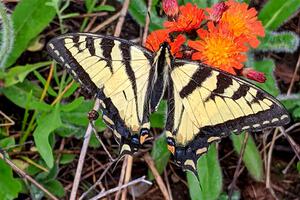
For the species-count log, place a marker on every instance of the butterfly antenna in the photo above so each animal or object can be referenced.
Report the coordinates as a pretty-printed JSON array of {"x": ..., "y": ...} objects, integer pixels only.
[{"x": 100, "y": 141}]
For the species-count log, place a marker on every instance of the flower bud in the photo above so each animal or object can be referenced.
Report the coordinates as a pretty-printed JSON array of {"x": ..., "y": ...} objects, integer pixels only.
[
  {"x": 171, "y": 8},
  {"x": 254, "y": 75},
  {"x": 216, "y": 12}
]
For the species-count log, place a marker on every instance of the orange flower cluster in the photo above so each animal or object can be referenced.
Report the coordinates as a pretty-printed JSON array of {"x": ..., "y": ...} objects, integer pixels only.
[{"x": 225, "y": 33}]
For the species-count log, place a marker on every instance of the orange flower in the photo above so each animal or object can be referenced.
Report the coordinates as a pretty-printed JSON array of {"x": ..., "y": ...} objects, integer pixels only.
[
  {"x": 155, "y": 39},
  {"x": 243, "y": 22},
  {"x": 190, "y": 17},
  {"x": 176, "y": 46},
  {"x": 219, "y": 47}
]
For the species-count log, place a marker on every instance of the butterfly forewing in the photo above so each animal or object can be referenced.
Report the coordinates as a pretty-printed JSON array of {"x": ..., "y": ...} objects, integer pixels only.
[
  {"x": 205, "y": 104},
  {"x": 116, "y": 71}
]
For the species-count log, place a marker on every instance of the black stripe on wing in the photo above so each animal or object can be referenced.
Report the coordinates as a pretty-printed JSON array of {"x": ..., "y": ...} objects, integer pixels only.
[{"x": 61, "y": 54}]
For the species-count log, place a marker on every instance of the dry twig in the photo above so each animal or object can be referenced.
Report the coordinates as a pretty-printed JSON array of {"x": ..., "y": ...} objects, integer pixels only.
[
  {"x": 127, "y": 175},
  {"x": 122, "y": 176},
  {"x": 122, "y": 18},
  {"x": 293, "y": 144},
  {"x": 87, "y": 137},
  {"x": 168, "y": 184},
  {"x": 103, "y": 194},
  {"x": 237, "y": 169},
  {"x": 294, "y": 77},
  {"x": 106, "y": 22},
  {"x": 147, "y": 22},
  {"x": 289, "y": 165},
  {"x": 10, "y": 123},
  {"x": 157, "y": 177},
  {"x": 98, "y": 181},
  {"x": 268, "y": 175}
]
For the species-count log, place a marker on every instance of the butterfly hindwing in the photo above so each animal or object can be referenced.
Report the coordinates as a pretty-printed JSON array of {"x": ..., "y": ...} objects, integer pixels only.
[
  {"x": 205, "y": 104},
  {"x": 118, "y": 72}
]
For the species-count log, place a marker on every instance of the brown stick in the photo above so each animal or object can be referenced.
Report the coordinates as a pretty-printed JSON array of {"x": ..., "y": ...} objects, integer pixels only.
[
  {"x": 122, "y": 176},
  {"x": 127, "y": 175},
  {"x": 87, "y": 137},
  {"x": 293, "y": 144},
  {"x": 237, "y": 169},
  {"x": 147, "y": 22},
  {"x": 268, "y": 172},
  {"x": 105, "y": 23},
  {"x": 122, "y": 18},
  {"x": 103, "y": 194},
  {"x": 294, "y": 76},
  {"x": 157, "y": 177}
]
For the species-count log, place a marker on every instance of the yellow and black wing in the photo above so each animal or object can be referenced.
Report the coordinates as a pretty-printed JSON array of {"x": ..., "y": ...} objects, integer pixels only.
[
  {"x": 117, "y": 72},
  {"x": 205, "y": 104}
]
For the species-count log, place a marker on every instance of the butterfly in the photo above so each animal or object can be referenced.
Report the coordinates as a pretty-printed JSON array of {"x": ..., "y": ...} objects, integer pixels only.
[{"x": 204, "y": 104}]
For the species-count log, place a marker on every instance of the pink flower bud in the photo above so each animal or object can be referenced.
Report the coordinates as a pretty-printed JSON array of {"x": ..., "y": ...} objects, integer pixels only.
[
  {"x": 254, "y": 75},
  {"x": 216, "y": 12},
  {"x": 171, "y": 8}
]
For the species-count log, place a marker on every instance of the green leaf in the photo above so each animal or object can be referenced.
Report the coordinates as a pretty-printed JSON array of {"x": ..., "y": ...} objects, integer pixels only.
[
  {"x": 251, "y": 155},
  {"x": 292, "y": 104},
  {"x": 89, "y": 4},
  {"x": 138, "y": 9},
  {"x": 236, "y": 195},
  {"x": 279, "y": 42},
  {"x": 71, "y": 90},
  {"x": 30, "y": 18},
  {"x": 276, "y": 12},
  {"x": 10, "y": 187},
  {"x": 20, "y": 95},
  {"x": 6, "y": 35},
  {"x": 160, "y": 155},
  {"x": 32, "y": 170},
  {"x": 210, "y": 176},
  {"x": 199, "y": 3},
  {"x": 18, "y": 74},
  {"x": 157, "y": 118},
  {"x": 104, "y": 8},
  {"x": 44, "y": 82},
  {"x": 46, "y": 125},
  {"x": 7, "y": 143},
  {"x": 94, "y": 142},
  {"x": 298, "y": 166},
  {"x": 267, "y": 67},
  {"x": 76, "y": 121},
  {"x": 55, "y": 187},
  {"x": 73, "y": 105},
  {"x": 67, "y": 158}
]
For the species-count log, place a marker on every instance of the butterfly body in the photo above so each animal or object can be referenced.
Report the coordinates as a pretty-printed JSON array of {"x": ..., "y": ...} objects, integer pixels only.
[{"x": 204, "y": 103}]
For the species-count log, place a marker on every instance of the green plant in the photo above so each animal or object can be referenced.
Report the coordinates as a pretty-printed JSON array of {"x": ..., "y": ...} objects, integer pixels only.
[{"x": 7, "y": 35}]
